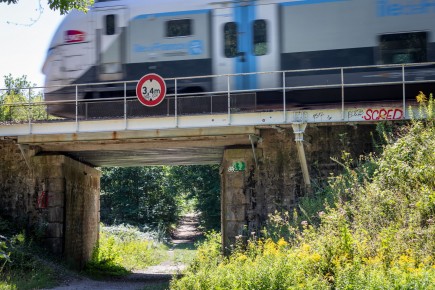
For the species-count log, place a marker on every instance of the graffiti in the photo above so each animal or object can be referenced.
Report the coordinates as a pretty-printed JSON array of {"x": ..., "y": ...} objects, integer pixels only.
[
  {"x": 237, "y": 166},
  {"x": 383, "y": 114},
  {"x": 321, "y": 116},
  {"x": 318, "y": 115},
  {"x": 355, "y": 113}
]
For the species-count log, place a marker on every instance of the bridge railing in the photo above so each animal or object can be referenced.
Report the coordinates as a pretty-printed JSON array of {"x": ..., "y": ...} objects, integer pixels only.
[{"x": 280, "y": 91}]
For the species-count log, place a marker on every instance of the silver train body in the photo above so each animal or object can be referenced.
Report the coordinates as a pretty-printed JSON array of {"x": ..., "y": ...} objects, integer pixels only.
[{"x": 126, "y": 39}]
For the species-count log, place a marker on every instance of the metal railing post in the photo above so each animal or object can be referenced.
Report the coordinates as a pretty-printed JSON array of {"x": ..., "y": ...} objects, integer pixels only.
[
  {"x": 342, "y": 93},
  {"x": 30, "y": 111},
  {"x": 176, "y": 104},
  {"x": 125, "y": 106},
  {"x": 284, "y": 98},
  {"x": 229, "y": 100},
  {"x": 77, "y": 108},
  {"x": 403, "y": 91},
  {"x": 211, "y": 104}
]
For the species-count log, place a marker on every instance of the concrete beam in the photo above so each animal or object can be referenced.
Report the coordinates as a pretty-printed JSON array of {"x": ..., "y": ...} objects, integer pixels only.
[{"x": 140, "y": 134}]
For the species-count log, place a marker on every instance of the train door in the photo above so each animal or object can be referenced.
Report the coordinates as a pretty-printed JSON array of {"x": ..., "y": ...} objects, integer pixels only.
[
  {"x": 111, "y": 35},
  {"x": 247, "y": 41}
]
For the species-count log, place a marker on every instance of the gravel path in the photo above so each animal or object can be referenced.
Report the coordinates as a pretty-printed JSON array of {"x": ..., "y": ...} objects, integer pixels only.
[{"x": 153, "y": 277}]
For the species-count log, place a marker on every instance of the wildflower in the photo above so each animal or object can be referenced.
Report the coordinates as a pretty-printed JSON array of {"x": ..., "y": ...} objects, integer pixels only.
[
  {"x": 304, "y": 223},
  {"x": 242, "y": 258},
  {"x": 321, "y": 213},
  {"x": 421, "y": 97},
  {"x": 282, "y": 243}
]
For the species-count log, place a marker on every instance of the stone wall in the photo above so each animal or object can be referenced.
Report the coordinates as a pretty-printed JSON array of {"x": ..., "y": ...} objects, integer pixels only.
[
  {"x": 17, "y": 185},
  {"x": 249, "y": 197}
]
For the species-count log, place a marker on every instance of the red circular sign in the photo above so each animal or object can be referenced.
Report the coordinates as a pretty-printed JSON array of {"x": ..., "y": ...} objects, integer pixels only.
[{"x": 151, "y": 90}]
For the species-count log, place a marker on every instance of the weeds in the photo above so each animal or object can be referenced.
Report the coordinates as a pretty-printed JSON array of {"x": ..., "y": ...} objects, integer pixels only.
[
  {"x": 123, "y": 248},
  {"x": 20, "y": 266}
]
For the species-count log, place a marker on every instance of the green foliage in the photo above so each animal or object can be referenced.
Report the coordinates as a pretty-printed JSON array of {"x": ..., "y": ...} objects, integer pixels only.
[
  {"x": 121, "y": 249},
  {"x": 378, "y": 233},
  {"x": 62, "y": 5},
  {"x": 15, "y": 99},
  {"x": 20, "y": 266},
  {"x": 139, "y": 196},
  {"x": 201, "y": 183},
  {"x": 155, "y": 196}
]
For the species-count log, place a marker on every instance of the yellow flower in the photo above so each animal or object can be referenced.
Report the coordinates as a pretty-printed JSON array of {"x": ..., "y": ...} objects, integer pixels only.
[
  {"x": 270, "y": 248},
  {"x": 421, "y": 97},
  {"x": 315, "y": 257},
  {"x": 242, "y": 258},
  {"x": 282, "y": 243}
]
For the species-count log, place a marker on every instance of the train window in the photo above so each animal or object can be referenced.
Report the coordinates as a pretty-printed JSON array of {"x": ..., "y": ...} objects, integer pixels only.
[
  {"x": 403, "y": 48},
  {"x": 260, "y": 37},
  {"x": 230, "y": 39},
  {"x": 110, "y": 24},
  {"x": 177, "y": 28}
]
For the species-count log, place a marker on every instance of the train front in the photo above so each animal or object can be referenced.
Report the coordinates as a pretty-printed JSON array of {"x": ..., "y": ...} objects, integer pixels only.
[{"x": 68, "y": 62}]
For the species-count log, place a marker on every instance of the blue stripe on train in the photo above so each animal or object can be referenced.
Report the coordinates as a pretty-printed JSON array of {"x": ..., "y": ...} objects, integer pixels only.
[{"x": 244, "y": 17}]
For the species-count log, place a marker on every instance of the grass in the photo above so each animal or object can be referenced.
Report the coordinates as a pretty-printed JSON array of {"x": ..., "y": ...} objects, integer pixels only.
[
  {"x": 376, "y": 229},
  {"x": 185, "y": 253},
  {"x": 34, "y": 276},
  {"x": 21, "y": 263},
  {"x": 122, "y": 249}
]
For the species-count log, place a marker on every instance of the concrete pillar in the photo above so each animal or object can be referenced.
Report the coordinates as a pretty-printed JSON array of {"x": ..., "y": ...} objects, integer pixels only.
[
  {"x": 238, "y": 180},
  {"x": 73, "y": 210}
]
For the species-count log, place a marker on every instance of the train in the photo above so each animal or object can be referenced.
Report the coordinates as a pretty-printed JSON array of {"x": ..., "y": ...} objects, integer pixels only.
[{"x": 122, "y": 40}]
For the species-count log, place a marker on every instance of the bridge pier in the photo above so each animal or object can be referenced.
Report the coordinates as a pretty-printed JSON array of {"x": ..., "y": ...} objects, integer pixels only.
[
  {"x": 253, "y": 192},
  {"x": 54, "y": 197}
]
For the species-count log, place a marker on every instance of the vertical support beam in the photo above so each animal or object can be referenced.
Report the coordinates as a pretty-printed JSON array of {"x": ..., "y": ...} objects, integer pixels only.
[{"x": 299, "y": 129}]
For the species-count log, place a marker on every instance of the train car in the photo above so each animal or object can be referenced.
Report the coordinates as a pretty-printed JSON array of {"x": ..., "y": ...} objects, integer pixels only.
[{"x": 125, "y": 39}]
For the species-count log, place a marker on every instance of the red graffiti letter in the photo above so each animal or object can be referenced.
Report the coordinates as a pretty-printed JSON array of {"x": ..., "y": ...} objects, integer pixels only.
[
  {"x": 369, "y": 114},
  {"x": 398, "y": 114}
]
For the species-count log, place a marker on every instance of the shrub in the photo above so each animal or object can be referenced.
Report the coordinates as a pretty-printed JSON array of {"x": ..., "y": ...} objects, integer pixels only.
[{"x": 123, "y": 248}]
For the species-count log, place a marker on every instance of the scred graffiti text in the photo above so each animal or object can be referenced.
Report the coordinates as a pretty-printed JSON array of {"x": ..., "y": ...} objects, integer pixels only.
[{"x": 383, "y": 114}]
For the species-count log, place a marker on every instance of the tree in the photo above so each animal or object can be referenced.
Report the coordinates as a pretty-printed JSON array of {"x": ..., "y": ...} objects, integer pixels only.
[
  {"x": 62, "y": 5},
  {"x": 153, "y": 196},
  {"x": 138, "y": 196},
  {"x": 18, "y": 92},
  {"x": 201, "y": 182}
]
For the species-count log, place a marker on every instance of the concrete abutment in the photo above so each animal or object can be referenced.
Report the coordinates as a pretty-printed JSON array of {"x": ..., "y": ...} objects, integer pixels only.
[{"x": 54, "y": 197}]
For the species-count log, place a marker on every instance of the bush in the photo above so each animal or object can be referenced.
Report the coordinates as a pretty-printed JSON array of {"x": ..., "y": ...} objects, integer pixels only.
[
  {"x": 20, "y": 266},
  {"x": 123, "y": 248}
]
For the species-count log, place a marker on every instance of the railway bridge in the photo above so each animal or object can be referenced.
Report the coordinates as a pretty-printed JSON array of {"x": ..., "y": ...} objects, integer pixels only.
[{"x": 269, "y": 152}]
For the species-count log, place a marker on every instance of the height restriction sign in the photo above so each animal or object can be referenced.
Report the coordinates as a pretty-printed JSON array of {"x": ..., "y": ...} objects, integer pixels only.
[{"x": 151, "y": 90}]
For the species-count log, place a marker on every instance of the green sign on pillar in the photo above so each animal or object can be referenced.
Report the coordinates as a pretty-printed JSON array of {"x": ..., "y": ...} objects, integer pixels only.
[{"x": 237, "y": 166}]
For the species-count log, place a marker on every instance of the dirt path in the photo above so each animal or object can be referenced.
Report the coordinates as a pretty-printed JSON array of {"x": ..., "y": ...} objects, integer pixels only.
[{"x": 153, "y": 277}]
